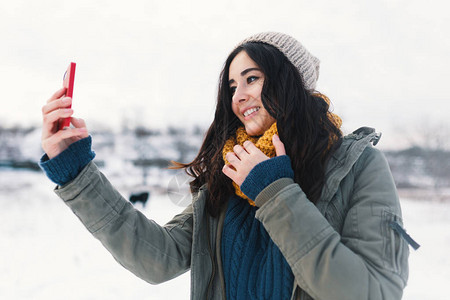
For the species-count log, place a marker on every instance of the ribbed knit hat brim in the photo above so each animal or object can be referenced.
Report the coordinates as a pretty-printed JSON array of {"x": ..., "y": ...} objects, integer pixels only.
[{"x": 296, "y": 53}]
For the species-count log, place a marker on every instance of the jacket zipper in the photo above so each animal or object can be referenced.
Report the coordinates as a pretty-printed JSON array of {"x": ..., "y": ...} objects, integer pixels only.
[{"x": 402, "y": 232}]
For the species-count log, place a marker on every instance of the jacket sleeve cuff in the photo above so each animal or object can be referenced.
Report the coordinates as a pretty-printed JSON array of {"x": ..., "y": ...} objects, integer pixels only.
[
  {"x": 272, "y": 190},
  {"x": 266, "y": 172},
  {"x": 68, "y": 164}
]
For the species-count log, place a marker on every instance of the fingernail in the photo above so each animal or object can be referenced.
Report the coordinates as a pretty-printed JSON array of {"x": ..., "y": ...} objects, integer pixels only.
[{"x": 276, "y": 137}]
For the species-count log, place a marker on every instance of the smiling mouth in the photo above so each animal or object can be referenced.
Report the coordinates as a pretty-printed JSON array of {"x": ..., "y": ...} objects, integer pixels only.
[{"x": 250, "y": 111}]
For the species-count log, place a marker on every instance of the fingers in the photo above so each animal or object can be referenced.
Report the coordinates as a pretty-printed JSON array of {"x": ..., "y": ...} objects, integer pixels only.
[
  {"x": 242, "y": 161},
  {"x": 57, "y": 114},
  {"x": 64, "y": 135},
  {"x": 58, "y": 94},
  {"x": 245, "y": 150},
  {"x": 58, "y": 142},
  {"x": 250, "y": 147},
  {"x": 249, "y": 150},
  {"x": 233, "y": 167},
  {"x": 240, "y": 151},
  {"x": 232, "y": 158},
  {"x": 247, "y": 153},
  {"x": 54, "y": 141},
  {"x": 56, "y": 104},
  {"x": 57, "y": 108},
  {"x": 50, "y": 120},
  {"x": 246, "y": 157},
  {"x": 229, "y": 171},
  {"x": 279, "y": 146},
  {"x": 80, "y": 124},
  {"x": 69, "y": 133}
]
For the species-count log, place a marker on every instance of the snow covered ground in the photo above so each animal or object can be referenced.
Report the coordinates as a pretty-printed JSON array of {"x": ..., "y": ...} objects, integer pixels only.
[{"x": 47, "y": 254}]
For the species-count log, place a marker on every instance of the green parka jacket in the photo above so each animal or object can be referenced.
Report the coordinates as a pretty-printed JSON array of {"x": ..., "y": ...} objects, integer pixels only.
[{"x": 342, "y": 248}]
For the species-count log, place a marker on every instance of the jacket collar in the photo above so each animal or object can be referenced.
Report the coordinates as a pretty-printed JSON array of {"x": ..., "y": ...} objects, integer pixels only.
[
  {"x": 342, "y": 161},
  {"x": 339, "y": 165}
]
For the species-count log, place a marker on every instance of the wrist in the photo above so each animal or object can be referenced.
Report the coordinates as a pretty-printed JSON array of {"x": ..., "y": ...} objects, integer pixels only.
[
  {"x": 265, "y": 173},
  {"x": 65, "y": 166}
]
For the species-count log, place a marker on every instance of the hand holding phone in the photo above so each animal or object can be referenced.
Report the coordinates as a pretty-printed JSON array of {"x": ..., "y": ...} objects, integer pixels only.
[{"x": 69, "y": 78}]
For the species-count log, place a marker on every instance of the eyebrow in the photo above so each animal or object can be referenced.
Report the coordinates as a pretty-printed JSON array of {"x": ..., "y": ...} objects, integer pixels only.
[{"x": 245, "y": 72}]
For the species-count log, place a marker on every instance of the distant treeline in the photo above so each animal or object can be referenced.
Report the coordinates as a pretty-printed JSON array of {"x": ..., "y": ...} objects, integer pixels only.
[{"x": 415, "y": 167}]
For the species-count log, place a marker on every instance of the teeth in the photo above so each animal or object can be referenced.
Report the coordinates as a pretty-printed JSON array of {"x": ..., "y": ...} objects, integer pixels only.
[{"x": 251, "y": 110}]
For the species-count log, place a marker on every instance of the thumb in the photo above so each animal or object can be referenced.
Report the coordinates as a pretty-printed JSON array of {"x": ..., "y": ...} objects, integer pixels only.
[
  {"x": 78, "y": 123},
  {"x": 279, "y": 146}
]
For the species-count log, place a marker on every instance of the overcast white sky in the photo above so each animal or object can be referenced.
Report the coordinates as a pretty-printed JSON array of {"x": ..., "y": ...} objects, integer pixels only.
[{"x": 384, "y": 64}]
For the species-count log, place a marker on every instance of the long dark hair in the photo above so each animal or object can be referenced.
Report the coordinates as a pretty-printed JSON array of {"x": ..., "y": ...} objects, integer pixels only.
[{"x": 302, "y": 122}]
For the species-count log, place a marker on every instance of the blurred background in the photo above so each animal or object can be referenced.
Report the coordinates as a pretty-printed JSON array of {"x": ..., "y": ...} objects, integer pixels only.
[
  {"x": 384, "y": 64},
  {"x": 146, "y": 84}
]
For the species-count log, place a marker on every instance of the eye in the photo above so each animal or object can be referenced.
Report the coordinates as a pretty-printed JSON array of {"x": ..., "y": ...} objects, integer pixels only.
[
  {"x": 232, "y": 90},
  {"x": 251, "y": 79}
]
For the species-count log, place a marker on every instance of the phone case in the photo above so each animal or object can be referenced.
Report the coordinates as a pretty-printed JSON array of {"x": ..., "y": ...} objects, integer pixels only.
[{"x": 69, "y": 78}]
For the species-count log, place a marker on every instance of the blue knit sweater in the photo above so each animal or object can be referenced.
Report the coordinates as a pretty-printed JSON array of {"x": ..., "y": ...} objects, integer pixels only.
[
  {"x": 69, "y": 163},
  {"x": 253, "y": 266}
]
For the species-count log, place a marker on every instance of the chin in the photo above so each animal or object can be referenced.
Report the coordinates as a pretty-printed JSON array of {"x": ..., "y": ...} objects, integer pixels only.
[
  {"x": 258, "y": 128},
  {"x": 252, "y": 131}
]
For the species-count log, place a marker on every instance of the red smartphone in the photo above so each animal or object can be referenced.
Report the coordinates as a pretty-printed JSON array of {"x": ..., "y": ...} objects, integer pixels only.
[{"x": 69, "y": 78}]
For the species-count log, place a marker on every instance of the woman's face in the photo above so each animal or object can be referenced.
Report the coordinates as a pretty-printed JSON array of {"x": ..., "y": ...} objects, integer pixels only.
[{"x": 246, "y": 81}]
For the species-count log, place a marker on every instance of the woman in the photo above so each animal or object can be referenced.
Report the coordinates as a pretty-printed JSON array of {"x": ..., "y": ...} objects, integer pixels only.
[{"x": 283, "y": 206}]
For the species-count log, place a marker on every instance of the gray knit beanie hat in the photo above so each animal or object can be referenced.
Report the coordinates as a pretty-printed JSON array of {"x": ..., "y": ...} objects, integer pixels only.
[{"x": 305, "y": 62}]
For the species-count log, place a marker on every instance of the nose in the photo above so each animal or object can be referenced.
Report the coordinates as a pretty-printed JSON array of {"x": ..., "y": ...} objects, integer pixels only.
[{"x": 240, "y": 94}]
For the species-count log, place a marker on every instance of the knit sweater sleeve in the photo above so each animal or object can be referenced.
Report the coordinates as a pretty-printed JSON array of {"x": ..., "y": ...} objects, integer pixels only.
[
  {"x": 68, "y": 164},
  {"x": 266, "y": 172}
]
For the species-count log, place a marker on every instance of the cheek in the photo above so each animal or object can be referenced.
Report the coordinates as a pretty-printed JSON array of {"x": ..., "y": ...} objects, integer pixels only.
[
  {"x": 268, "y": 119},
  {"x": 235, "y": 109},
  {"x": 258, "y": 89}
]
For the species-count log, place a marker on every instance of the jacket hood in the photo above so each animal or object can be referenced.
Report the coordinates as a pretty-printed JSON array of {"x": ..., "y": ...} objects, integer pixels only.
[{"x": 342, "y": 161}]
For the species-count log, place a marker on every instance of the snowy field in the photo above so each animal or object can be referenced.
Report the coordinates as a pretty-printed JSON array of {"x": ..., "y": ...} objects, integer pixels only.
[{"x": 47, "y": 254}]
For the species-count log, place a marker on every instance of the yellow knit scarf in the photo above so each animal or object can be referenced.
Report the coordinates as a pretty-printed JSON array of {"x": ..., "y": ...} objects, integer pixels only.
[{"x": 264, "y": 143}]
